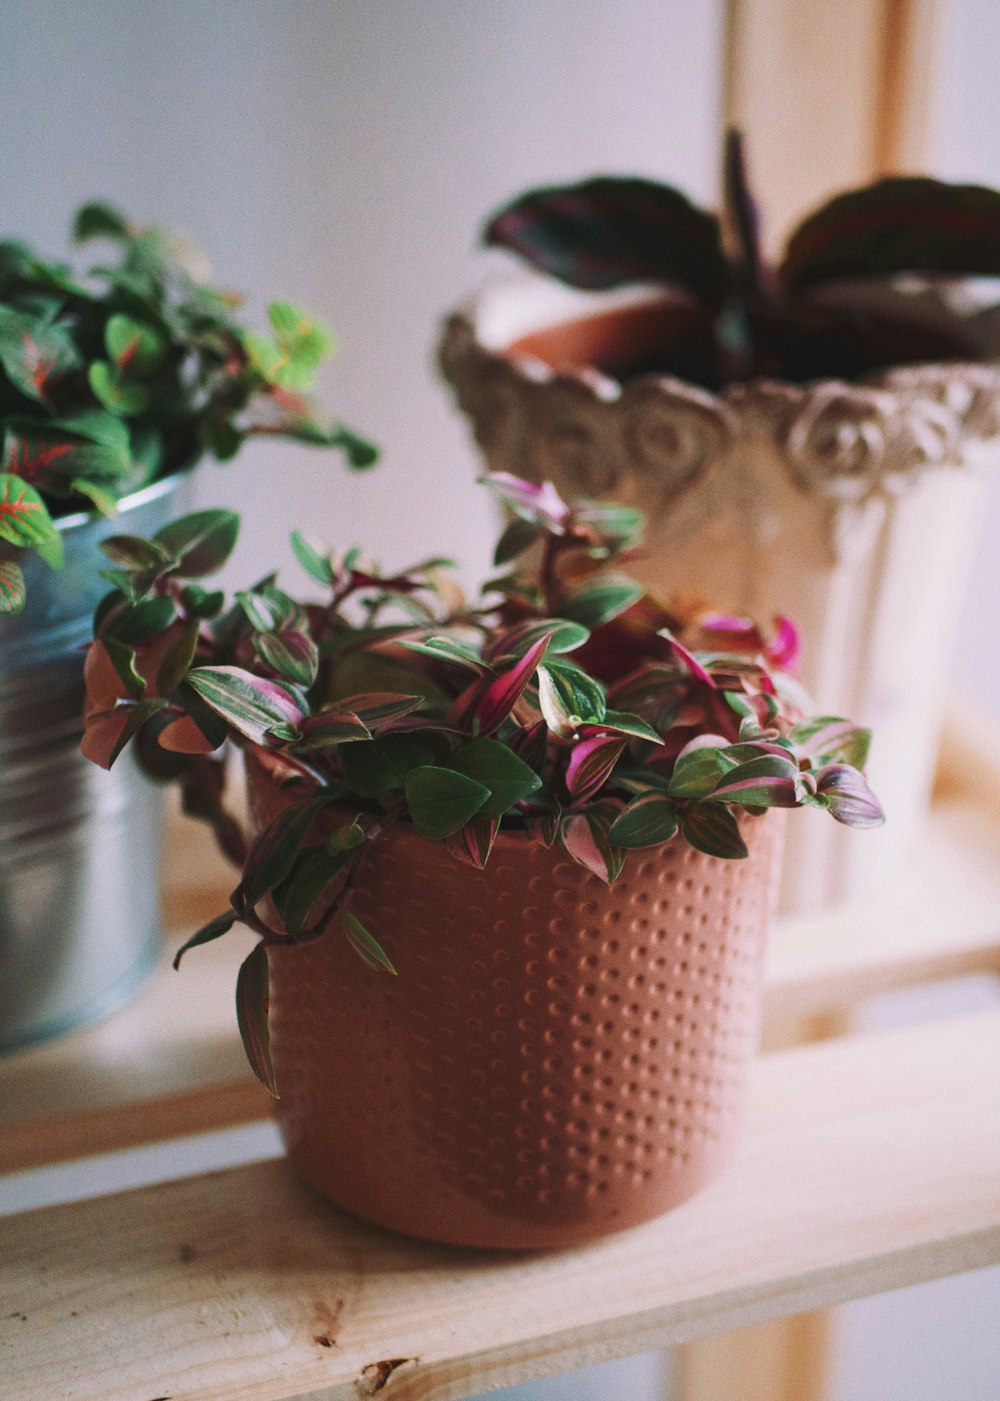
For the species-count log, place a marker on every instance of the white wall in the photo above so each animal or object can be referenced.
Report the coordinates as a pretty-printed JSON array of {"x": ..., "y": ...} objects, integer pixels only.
[{"x": 344, "y": 154}]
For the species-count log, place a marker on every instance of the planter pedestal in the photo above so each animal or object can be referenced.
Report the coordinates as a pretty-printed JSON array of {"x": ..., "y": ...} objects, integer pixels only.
[
  {"x": 556, "y": 1059},
  {"x": 850, "y": 507}
]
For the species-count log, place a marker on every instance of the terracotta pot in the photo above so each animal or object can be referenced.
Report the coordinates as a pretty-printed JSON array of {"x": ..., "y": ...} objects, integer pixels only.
[
  {"x": 851, "y": 507},
  {"x": 556, "y": 1060}
]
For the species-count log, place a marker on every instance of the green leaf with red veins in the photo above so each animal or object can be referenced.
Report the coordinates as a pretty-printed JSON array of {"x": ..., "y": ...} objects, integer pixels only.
[
  {"x": 498, "y": 769},
  {"x": 24, "y": 517},
  {"x": 209, "y": 932},
  {"x": 12, "y": 593},
  {"x": 647, "y": 821},
  {"x": 35, "y": 354},
  {"x": 845, "y": 793},
  {"x": 292, "y": 654},
  {"x": 712, "y": 828},
  {"x": 569, "y": 698},
  {"x": 442, "y": 800},
  {"x": 833, "y": 739},
  {"x": 502, "y": 694},
  {"x": 769, "y": 781},
  {"x": 365, "y": 945},
  {"x": 590, "y": 764},
  {"x": 251, "y": 1015},
  {"x": 118, "y": 395},
  {"x": 200, "y": 542},
  {"x": 135, "y": 347},
  {"x": 250, "y": 704},
  {"x": 273, "y": 853},
  {"x": 600, "y": 602},
  {"x": 586, "y": 837}
]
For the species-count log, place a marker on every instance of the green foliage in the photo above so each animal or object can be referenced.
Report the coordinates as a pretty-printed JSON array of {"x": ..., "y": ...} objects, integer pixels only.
[{"x": 133, "y": 371}]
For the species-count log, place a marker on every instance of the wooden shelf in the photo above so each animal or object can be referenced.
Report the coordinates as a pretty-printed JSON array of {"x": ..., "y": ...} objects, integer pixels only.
[
  {"x": 869, "y": 1163},
  {"x": 171, "y": 1062}
]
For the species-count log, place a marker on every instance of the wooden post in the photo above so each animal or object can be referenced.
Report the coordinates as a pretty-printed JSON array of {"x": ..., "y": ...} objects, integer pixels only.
[{"x": 829, "y": 94}]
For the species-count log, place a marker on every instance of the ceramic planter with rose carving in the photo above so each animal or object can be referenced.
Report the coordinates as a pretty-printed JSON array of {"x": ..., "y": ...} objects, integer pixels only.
[
  {"x": 114, "y": 383},
  {"x": 812, "y": 439},
  {"x": 554, "y": 813}
]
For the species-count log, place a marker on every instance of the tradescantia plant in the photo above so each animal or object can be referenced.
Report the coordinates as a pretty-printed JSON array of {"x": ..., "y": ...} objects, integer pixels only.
[
  {"x": 811, "y": 316},
  {"x": 564, "y": 701},
  {"x": 131, "y": 372}
]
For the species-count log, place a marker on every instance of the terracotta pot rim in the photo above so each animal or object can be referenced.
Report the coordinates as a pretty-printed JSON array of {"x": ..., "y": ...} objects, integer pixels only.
[{"x": 476, "y": 327}]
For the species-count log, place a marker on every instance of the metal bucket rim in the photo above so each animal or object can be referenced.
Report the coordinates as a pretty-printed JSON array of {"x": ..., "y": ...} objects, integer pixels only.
[{"x": 79, "y": 520}]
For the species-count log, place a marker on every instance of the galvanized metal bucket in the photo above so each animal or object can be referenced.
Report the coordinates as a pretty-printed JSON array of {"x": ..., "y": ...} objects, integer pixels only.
[{"x": 79, "y": 849}]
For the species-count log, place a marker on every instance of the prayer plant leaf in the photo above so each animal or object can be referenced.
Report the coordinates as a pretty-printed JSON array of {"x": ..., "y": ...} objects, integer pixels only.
[
  {"x": 252, "y": 991},
  {"x": 613, "y": 230},
  {"x": 904, "y": 224}
]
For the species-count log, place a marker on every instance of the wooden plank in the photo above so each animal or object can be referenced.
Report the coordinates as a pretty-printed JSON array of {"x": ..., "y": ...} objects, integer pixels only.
[
  {"x": 869, "y": 1164},
  {"x": 171, "y": 1062}
]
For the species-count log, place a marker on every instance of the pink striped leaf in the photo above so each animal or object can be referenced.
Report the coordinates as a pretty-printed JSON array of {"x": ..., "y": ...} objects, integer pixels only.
[
  {"x": 503, "y": 693},
  {"x": 839, "y": 741},
  {"x": 771, "y": 781},
  {"x": 251, "y": 704},
  {"x": 586, "y": 838},
  {"x": 590, "y": 764}
]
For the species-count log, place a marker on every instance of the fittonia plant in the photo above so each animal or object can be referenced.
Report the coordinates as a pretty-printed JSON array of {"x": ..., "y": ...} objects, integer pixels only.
[
  {"x": 563, "y": 702},
  {"x": 839, "y": 303},
  {"x": 130, "y": 372}
]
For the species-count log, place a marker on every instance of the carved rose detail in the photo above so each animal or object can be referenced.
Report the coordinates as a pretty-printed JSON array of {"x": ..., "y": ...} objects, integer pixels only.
[
  {"x": 672, "y": 434},
  {"x": 661, "y": 441}
]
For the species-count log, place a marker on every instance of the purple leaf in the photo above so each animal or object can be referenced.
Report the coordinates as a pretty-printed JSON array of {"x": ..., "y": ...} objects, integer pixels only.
[
  {"x": 536, "y": 502},
  {"x": 503, "y": 693},
  {"x": 844, "y": 791}
]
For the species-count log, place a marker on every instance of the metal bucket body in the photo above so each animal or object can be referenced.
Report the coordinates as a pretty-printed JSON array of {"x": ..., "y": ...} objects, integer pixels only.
[{"x": 79, "y": 900}]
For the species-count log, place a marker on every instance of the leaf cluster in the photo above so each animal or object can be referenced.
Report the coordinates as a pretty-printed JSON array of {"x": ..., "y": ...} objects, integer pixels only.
[
  {"x": 131, "y": 372},
  {"x": 563, "y": 702},
  {"x": 840, "y": 303}
]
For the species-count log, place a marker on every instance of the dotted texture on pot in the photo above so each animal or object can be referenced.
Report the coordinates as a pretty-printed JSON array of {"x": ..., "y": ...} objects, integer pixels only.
[{"x": 555, "y": 1060}]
